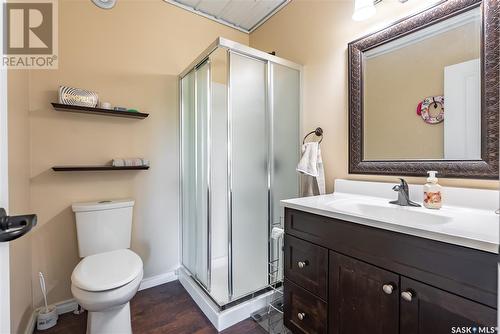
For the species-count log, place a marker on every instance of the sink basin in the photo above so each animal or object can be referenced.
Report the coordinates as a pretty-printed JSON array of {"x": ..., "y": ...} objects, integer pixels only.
[{"x": 391, "y": 213}]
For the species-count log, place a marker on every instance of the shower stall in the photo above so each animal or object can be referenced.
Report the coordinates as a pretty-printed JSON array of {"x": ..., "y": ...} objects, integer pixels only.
[{"x": 240, "y": 120}]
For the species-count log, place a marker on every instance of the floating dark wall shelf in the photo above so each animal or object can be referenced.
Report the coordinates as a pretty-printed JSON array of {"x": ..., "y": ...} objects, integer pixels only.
[
  {"x": 98, "y": 111},
  {"x": 95, "y": 168}
]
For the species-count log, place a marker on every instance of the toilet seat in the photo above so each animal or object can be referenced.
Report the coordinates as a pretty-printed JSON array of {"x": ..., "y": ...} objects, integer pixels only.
[
  {"x": 107, "y": 271},
  {"x": 101, "y": 301}
]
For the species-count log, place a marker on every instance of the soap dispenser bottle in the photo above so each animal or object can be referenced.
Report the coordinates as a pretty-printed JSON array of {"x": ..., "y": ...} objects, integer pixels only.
[{"x": 432, "y": 192}]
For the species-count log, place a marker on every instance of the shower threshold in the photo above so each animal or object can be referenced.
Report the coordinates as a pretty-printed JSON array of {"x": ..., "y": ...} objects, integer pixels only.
[{"x": 229, "y": 314}]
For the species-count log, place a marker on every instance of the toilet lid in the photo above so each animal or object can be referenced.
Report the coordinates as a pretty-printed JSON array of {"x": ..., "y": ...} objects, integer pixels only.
[{"x": 105, "y": 271}]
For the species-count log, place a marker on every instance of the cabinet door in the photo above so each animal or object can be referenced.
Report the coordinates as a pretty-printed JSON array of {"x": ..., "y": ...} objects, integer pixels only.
[
  {"x": 363, "y": 298},
  {"x": 429, "y": 310}
]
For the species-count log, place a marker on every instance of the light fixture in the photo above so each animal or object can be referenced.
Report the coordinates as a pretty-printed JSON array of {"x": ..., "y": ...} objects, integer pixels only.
[{"x": 363, "y": 9}]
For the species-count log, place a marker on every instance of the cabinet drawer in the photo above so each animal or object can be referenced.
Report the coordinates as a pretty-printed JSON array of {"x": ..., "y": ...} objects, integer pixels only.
[
  {"x": 306, "y": 226},
  {"x": 306, "y": 265},
  {"x": 304, "y": 312}
]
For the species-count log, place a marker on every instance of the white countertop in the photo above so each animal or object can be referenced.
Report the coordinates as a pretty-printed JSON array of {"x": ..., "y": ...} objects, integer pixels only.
[{"x": 476, "y": 226}]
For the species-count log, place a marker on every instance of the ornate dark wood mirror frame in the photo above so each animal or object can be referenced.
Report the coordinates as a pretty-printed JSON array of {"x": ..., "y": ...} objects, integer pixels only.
[{"x": 487, "y": 167}]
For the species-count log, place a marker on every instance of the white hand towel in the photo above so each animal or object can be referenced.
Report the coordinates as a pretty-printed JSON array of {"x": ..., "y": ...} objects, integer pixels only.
[
  {"x": 308, "y": 163},
  {"x": 311, "y": 165},
  {"x": 320, "y": 178}
]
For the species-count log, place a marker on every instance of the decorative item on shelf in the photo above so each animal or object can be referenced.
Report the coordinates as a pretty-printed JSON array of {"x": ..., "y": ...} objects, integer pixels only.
[
  {"x": 125, "y": 109},
  {"x": 423, "y": 109},
  {"x": 106, "y": 105},
  {"x": 77, "y": 97},
  {"x": 118, "y": 162}
]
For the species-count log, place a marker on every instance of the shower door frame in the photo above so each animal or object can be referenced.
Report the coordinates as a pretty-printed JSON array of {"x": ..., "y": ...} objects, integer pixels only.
[
  {"x": 232, "y": 47},
  {"x": 204, "y": 61}
]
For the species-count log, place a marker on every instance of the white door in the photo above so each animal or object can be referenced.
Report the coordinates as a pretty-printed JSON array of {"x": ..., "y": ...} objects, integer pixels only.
[
  {"x": 462, "y": 112},
  {"x": 4, "y": 246}
]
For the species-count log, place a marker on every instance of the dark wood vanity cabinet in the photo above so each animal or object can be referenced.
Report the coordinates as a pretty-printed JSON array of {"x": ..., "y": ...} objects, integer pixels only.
[{"x": 346, "y": 278}]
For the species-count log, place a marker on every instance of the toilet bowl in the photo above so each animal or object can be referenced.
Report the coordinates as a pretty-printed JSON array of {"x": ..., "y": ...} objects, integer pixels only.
[{"x": 104, "y": 284}]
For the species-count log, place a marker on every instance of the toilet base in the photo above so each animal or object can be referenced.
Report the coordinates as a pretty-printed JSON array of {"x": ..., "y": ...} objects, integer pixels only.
[{"x": 111, "y": 321}]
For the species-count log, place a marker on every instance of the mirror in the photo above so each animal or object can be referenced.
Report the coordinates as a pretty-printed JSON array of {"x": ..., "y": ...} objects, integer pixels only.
[
  {"x": 422, "y": 93},
  {"x": 417, "y": 94}
]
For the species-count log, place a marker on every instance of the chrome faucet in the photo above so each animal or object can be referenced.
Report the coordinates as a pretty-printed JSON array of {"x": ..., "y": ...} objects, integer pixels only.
[{"x": 403, "y": 194}]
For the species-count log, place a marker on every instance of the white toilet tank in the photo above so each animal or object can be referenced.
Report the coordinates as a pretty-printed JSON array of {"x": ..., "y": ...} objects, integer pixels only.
[{"x": 103, "y": 226}]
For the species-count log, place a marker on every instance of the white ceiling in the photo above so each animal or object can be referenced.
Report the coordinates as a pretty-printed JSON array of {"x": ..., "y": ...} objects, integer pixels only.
[{"x": 244, "y": 15}]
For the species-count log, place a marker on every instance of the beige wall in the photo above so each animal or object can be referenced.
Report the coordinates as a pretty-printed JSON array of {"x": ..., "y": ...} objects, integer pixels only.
[
  {"x": 316, "y": 33},
  {"x": 394, "y": 84},
  {"x": 19, "y": 197},
  {"x": 131, "y": 55}
]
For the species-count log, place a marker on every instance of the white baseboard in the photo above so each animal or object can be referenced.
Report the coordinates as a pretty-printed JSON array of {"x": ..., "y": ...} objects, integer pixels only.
[
  {"x": 70, "y": 305},
  {"x": 153, "y": 281},
  {"x": 66, "y": 306},
  {"x": 62, "y": 307},
  {"x": 222, "y": 319}
]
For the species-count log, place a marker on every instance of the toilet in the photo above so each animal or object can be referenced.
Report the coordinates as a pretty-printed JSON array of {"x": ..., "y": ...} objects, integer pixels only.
[{"x": 109, "y": 274}]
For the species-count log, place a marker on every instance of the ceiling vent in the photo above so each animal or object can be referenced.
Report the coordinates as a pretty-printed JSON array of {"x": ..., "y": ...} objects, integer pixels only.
[{"x": 104, "y": 4}]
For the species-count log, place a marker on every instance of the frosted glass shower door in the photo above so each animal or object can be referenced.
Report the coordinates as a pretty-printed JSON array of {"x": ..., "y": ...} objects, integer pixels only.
[
  {"x": 286, "y": 142},
  {"x": 195, "y": 173},
  {"x": 188, "y": 169},
  {"x": 202, "y": 174},
  {"x": 219, "y": 178},
  {"x": 249, "y": 175}
]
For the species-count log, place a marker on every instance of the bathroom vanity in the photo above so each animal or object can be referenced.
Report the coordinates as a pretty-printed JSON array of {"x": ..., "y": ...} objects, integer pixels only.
[{"x": 356, "y": 264}]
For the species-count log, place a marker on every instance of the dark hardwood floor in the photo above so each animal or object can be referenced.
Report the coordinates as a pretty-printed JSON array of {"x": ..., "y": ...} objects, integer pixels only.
[{"x": 163, "y": 309}]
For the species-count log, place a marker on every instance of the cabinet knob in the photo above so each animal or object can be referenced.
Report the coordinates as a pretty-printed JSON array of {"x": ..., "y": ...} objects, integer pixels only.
[
  {"x": 302, "y": 264},
  {"x": 407, "y": 295},
  {"x": 301, "y": 316},
  {"x": 388, "y": 288}
]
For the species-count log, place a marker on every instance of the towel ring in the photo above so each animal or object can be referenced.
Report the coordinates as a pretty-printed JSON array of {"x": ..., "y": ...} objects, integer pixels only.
[{"x": 318, "y": 132}]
